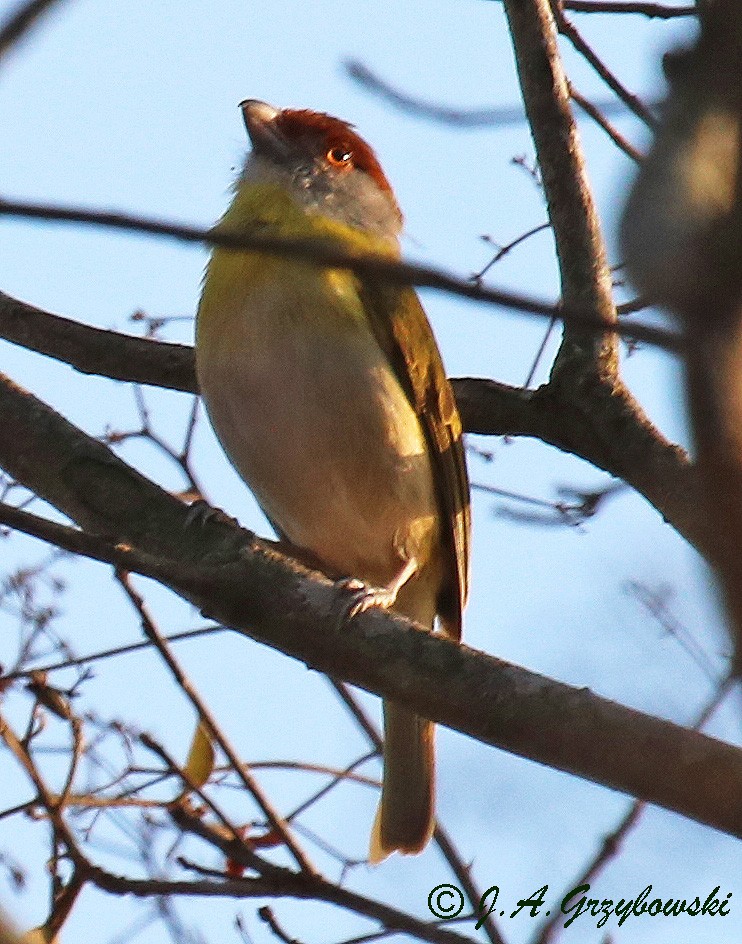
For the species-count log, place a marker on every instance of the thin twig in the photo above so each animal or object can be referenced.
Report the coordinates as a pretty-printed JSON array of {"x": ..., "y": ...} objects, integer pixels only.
[
  {"x": 322, "y": 252},
  {"x": 266, "y": 915},
  {"x": 464, "y": 118},
  {"x": 206, "y": 717},
  {"x": 110, "y": 653},
  {"x": 539, "y": 354},
  {"x": 180, "y": 808},
  {"x": 44, "y": 796},
  {"x": 502, "y": 251},
  {"x": 20, "y": 22},
  {"x": 651, "y": 10},
  {"x": 146, "y": 431},
  {"x": 622, "y": 143},
  {"x": 338, "y": 776},
  {"x": 632, "y": 102}
]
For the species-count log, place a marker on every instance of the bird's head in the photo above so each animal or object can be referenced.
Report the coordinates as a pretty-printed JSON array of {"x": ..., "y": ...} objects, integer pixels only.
[{"x": 324, "y": 165}]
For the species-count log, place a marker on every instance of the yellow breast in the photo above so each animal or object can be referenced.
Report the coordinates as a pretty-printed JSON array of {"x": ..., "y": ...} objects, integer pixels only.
[{"x": 308, "y": 408}]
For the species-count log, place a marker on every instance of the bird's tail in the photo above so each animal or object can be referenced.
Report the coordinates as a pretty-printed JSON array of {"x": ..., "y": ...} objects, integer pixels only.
[{"x": 405, "y": 817}]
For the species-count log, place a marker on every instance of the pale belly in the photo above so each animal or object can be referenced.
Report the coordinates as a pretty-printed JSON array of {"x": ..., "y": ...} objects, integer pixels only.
[{"x": 326, "y": 439}]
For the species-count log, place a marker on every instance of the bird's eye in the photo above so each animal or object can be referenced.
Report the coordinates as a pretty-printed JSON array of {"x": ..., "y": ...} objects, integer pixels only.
[{"x": 339, "y": 156}]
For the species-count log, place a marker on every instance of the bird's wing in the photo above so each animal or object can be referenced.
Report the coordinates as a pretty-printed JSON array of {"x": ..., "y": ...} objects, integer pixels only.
[{"x": 403, "y": 332}]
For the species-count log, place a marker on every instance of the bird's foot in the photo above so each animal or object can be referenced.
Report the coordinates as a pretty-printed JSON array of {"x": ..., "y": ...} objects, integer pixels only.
[
  {"x": 364, "y": 597},
  {"x": 200, "y": 513}
]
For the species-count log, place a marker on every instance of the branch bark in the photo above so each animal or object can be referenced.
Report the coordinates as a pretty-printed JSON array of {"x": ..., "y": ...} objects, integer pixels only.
[
  {"x": 604, "y": 425},
  {"x": 95, "y": 350},
  {"x": 583, "y": 264},
  {"x": 230, "y": 576},
  {"x": 600, "y": 423}
]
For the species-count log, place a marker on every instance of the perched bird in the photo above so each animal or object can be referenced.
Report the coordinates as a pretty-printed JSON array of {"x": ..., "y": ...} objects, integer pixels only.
[{"x": 328, "y": 394}]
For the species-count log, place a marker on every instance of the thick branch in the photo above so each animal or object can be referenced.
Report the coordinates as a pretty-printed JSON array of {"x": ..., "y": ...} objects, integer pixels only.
[
  {"x": 95, "y": 350},
  {"x": 602, "y": 424},
  {"x": 599, "y": 423},
  {"x": 583, "y": 264},
  {"x": 256, "y": 591}
]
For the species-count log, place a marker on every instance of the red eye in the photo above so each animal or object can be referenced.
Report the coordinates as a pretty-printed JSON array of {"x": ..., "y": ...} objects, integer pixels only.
[{"x": 339, "y": 156}]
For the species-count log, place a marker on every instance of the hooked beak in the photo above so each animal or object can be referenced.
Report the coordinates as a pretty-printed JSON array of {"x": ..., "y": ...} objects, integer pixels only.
[{"x": 259, "y": 118}]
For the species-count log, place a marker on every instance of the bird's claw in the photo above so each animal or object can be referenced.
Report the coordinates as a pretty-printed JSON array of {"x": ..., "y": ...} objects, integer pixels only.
[
  {"x": 200, "y": 513},
  {"x": 364, "y": 597}
]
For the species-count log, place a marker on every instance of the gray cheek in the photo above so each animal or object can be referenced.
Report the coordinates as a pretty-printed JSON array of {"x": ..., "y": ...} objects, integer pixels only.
[
  {"x": 352, "y": 199},
  {"x": 305, "y": 179},
  {"x": 356, "y": 200}
]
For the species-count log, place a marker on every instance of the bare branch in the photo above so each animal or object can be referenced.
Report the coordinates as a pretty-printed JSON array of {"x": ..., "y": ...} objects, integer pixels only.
[
  {"x": 95, "y": 350},
  {"x": 228, "y": 574},
  {"x": 20, "y": 22},
  {"x": 206, "y": 717},
  {"x": 651, "y": 10},
  {"x": 599, "y": 118},
  {"x": 632, "y": 102},
  {"x": 324, "y": 252},
  {"x": 603, "y": 424},
  {"x": 583, "y": 265},
  {"x": 494, "y": 116},
  {"x": 104, "y": 653},
  {"x": 280, "y": 883}
]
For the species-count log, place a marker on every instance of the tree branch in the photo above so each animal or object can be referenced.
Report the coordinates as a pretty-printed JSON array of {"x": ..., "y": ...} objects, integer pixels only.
[
  {"x": 583, "y": 264},
  {"x": 604, "y": 425},
  {"x": 328, "y": 253},
  {"x": 601, "y": 424},
  {"x": 631, "y": 101},
  {"x": 658, "y": 10},
  {"x": 96, "y": 350},
  {"x": 21, "y": 21},
  {"x": 242, "y": 584},
  {"x": 281, "y": 883}
]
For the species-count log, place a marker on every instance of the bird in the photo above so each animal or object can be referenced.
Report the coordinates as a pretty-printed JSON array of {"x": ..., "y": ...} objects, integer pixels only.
[{"x": 328, "y": 394}]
